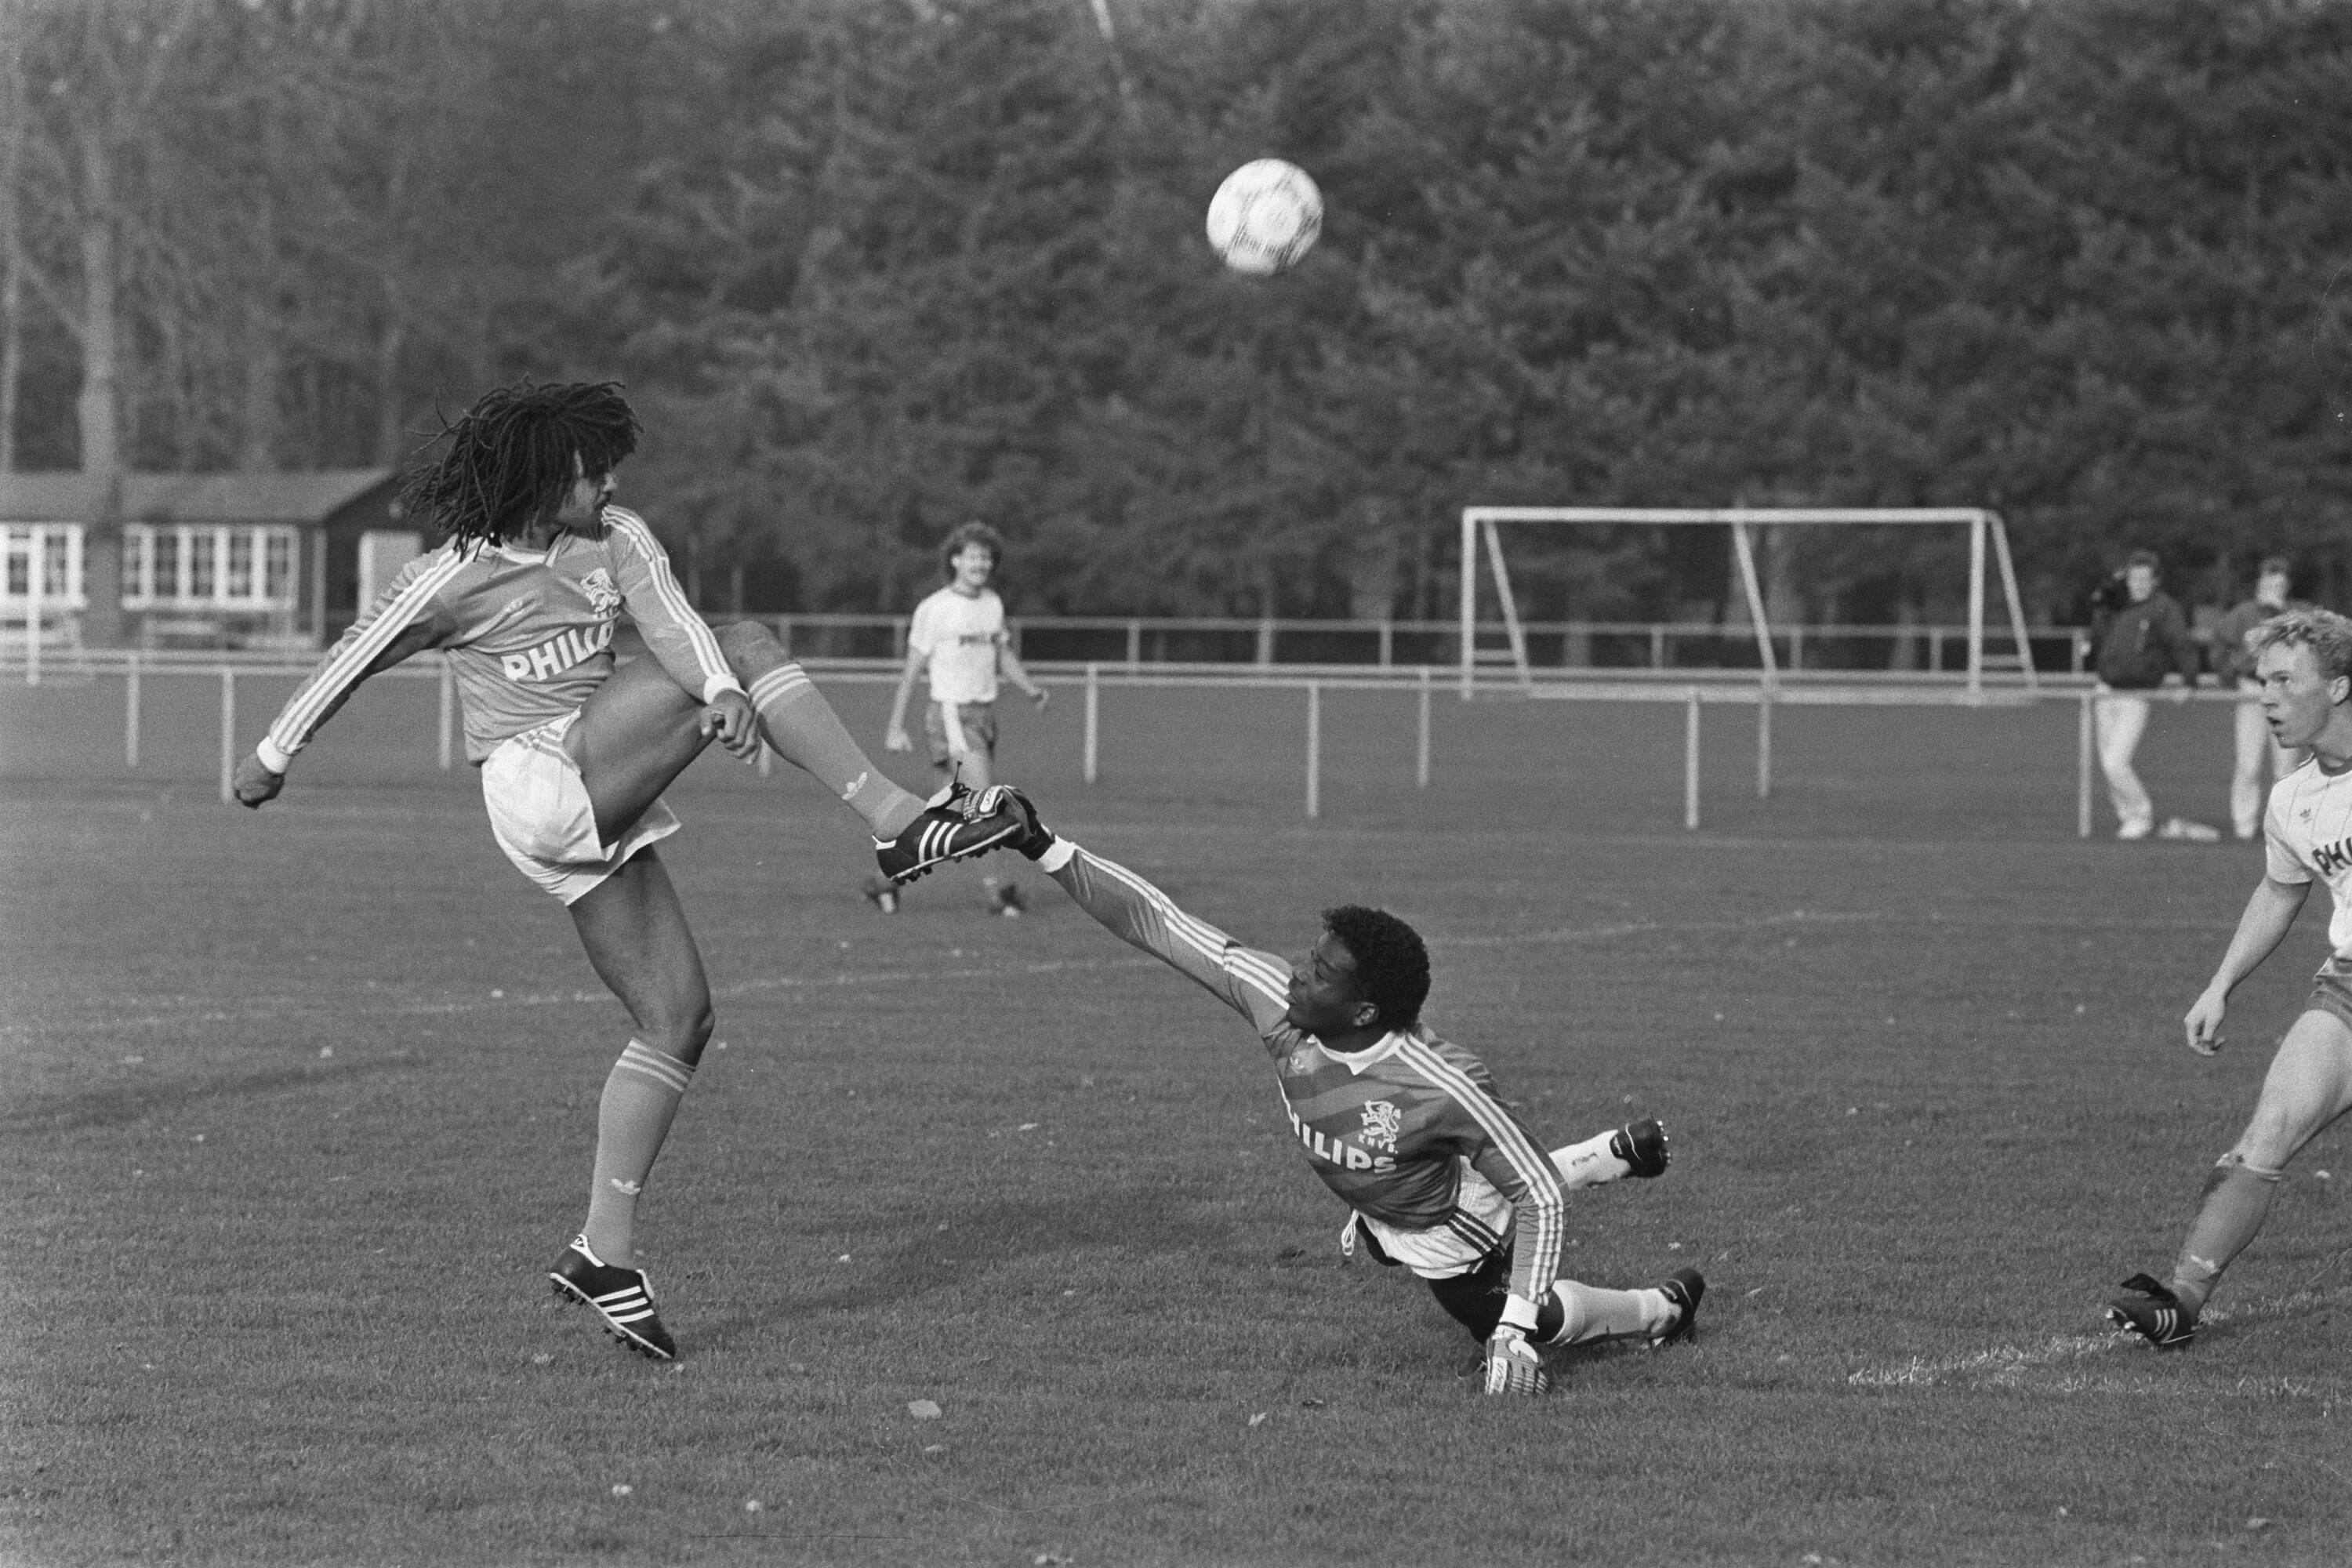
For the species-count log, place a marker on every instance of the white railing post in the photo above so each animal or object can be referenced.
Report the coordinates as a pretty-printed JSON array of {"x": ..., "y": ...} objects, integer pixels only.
[
  {"x": 448, "y": 713},
  {"x": 1657, "y": 648},
  {"x": 131, "y": 712},
  {"x": 1421, "y": 751},
  {"x": 1135, "y": 646},
  {"x": 2084, "y": 745},
  {"x": 1314, "y": 748},
  {"x": 228, "y": 733},
  {"x": 1764, "y": 742},
  {"x": 1094, "y": 717},
  {"x": 1690, "y": 761},
  {"x": 37, "y": 564}
]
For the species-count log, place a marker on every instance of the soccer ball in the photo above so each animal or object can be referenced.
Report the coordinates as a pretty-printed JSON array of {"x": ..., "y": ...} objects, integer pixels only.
[{"x": 1266, "y": 216}]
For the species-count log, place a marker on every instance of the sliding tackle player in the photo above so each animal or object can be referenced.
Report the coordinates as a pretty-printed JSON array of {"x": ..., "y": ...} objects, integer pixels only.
[
  {"x": 2303, "y": 663},
  {"x": 1406, "y": 1129},
  {"x": 575, "y": 751}
]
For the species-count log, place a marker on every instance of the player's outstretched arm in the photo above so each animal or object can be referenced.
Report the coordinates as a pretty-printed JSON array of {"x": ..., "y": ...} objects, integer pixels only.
[
  {"x": 2268, "y": 916},
  {"x": 1256, "y": 985},
  {"x": 375, "y": 643}
]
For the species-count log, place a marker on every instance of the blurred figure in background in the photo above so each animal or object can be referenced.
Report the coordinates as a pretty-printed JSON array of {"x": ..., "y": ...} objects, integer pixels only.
[
  {"x": 2139, "y": 642},
  {"x": 957, "y": 640},
  {"x": 2233, "y": 661}
]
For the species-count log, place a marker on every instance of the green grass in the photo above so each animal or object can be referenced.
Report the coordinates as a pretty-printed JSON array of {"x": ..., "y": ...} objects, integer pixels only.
[{"x": 297, "y": 1108}]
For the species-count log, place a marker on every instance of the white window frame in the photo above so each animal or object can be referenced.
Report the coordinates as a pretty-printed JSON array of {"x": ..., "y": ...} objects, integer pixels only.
[
  {"x": 215, "y": 544},
  {"x": 57, "y": 545}
]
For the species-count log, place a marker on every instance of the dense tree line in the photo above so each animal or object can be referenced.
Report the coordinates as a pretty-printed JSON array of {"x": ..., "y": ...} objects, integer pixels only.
[{"x": 873, "y": 267}]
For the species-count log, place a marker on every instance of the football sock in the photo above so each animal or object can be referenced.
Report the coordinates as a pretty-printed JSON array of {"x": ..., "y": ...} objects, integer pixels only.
[
  {"x": 1590, "y": 1313},
  {"x": 1588, "y": 1163},
  {"x": 802, "y": 728},
  {"x": 2237, "y": 1199},
  {"x": 641, "y": 1096}
]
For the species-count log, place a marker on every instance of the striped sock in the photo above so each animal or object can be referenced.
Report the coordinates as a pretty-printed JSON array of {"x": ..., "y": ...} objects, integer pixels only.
[
  {"x": 641, "y": 1096},
  {"x": 802, "y": 728}
]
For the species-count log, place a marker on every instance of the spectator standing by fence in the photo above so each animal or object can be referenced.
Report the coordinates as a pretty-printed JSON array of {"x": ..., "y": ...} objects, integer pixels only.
[
  {"x": 2233, "y": 661},
  {"x": 2139, "y": 642}
]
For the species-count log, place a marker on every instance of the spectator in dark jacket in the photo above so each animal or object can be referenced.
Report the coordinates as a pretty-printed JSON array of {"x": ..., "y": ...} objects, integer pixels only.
[
  {"x": 2139, "y": 642},
  {"x": 2273, "y": 583}
]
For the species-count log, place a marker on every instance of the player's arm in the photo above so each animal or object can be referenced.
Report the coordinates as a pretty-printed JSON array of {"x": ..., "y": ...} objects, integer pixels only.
[
  {"x": 405, "y": 619},
  {"x": 1499, "y": 1149},
  {"x": 894, "y": 735},
  {"x": 678, "y": 637},
  {"x": 1008, "y": 664},
  {"x": 2268, "y": 917},
  {"x": 1254, "y": 985}
]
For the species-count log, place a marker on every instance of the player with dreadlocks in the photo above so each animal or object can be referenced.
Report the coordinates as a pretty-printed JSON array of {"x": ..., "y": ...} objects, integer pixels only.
[{"x": 523, "y": 598}]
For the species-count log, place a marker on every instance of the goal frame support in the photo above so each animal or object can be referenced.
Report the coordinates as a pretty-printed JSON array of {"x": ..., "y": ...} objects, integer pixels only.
[{"x": 1988, "y": 541}]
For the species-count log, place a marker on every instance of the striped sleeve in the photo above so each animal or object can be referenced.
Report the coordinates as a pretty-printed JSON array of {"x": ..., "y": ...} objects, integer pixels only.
[
  {"x": 1254, "y": 985},
  {"x": 408, "y": 601},
  {"x": 678, "y": 636},
  {"x": 1501, "y": 1150}
]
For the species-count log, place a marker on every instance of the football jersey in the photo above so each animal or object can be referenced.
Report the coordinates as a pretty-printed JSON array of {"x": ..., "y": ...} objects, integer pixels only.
[
  {"x": 959, "y": 633},
  {"x": 1402, "y": 1132},
  {"x": 2307, "y": 834},
  {"x": 528, "y": 634}
]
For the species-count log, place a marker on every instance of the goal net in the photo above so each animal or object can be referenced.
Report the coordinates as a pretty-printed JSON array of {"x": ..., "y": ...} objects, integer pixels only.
[{"x": 1482, "y": 528}]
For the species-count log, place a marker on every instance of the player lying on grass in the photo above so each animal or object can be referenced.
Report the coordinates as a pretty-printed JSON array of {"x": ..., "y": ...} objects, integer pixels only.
[
  {"x": 1407, "y": 1128},
  {"x": 575, "y": 751},
  {"x": 2303, "y": 662}
]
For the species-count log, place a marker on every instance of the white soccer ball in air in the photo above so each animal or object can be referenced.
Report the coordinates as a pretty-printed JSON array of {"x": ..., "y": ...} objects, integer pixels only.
[{"x": 1266, "y": 216}]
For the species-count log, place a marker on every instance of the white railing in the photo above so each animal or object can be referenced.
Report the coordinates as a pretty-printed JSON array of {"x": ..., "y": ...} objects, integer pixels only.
[{"x": 1732, "y": 689}]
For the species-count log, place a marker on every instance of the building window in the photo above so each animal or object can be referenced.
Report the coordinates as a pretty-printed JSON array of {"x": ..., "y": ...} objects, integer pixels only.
[
  {"x": 57, "y": 548},
  {"x": 236, "y": 566}
]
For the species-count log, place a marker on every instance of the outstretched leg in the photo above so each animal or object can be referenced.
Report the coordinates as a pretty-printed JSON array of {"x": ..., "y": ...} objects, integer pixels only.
[
  {"x": 635, "y": 735},
  {"x": 2308, "y": 1086},
  {"x": 802, "y": 728}
]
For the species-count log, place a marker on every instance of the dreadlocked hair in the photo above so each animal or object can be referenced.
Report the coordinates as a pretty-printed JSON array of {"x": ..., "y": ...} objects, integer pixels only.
[{"x": 509, "y": 461}]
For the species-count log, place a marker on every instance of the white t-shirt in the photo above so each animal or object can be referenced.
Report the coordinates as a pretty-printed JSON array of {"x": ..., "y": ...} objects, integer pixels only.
[
  {"x": 959, "y": 633},
  {"x": 2307, "y": 834}
]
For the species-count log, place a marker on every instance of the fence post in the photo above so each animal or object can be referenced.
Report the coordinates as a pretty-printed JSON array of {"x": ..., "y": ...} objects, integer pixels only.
[
  {"x": 1421, "y": 755},
  {"x": 448, "y": 711},
  {"x": 1764, "y": 742},
  {"x": 1314, "y": 748},
  {"x": 1657, "y": 648},
  {"x": 1387, "y": 642},
  {"x": 228, "y": 733},
  {"x": 1690, "y": 761},
  {"x": 1094, "y": 716},
  {"x": 37, "y": 561},
  {"x": 2083, "y": 749},
  {"x": 130, "y": 713},
  {"x": 1134, "y": 646}
]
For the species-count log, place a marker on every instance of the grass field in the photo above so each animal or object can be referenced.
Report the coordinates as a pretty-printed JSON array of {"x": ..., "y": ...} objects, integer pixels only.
[{"x": 299, "y": 1106}]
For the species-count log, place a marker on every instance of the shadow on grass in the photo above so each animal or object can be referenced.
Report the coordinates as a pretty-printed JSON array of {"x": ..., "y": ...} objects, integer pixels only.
[{"x": 123, "y": 1104}]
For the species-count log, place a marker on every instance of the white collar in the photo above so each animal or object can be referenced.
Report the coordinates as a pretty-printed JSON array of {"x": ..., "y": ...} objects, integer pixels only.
[{"x": 1356, "y": 1061}]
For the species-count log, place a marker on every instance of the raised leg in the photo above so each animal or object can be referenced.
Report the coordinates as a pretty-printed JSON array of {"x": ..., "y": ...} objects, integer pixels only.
[{"x": 635, "y": 735}]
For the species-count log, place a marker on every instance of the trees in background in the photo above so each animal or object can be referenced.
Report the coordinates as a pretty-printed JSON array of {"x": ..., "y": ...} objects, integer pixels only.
[{"x": 872, "y": 266}]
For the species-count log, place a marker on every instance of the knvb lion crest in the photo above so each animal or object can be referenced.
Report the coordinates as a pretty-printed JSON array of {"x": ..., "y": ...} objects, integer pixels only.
[
  {"x": 602, "y": 597},
  {"x": 1383, "y": 1122}
]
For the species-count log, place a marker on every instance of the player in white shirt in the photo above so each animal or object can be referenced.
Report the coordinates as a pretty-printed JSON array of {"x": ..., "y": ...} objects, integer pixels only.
[
  {"x": 957, "y": 639},
  {"x": 2303, "y": 663},
  {"x": 575, "y": 751}
]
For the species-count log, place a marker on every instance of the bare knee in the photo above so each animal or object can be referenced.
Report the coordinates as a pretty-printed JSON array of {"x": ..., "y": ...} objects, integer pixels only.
[
  {"x": 751, "y": 647},
  {"x": 681, "y": 1031}
]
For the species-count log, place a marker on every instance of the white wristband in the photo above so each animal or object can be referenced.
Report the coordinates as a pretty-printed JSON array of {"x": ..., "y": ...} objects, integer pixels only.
[
  {"x": 1062, "y": 853},
  {"x": 716, "y": 684},
  {"x": 1519, "y": 1313},
  {"x": 272, "y": 758}
]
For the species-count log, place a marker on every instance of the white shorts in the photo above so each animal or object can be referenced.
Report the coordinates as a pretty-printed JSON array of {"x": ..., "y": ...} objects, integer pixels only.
[{"x": 541, "y": 817}]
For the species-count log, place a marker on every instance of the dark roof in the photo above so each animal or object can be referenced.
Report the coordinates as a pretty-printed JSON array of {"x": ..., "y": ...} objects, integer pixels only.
[{"x": 190, "y": 498}]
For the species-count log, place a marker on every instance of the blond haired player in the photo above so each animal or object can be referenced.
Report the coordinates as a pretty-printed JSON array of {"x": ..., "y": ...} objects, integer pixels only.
[
  {"x": 2303, "y": 662},
  {"x": 958, "y": 640},
  {"x": 575, "y": 752}
]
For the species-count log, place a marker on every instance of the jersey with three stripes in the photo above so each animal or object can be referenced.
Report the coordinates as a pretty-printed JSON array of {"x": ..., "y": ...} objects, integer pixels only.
[
  {"x": 528, "y": 632},
  {"x": 1393, "y": 1131}
]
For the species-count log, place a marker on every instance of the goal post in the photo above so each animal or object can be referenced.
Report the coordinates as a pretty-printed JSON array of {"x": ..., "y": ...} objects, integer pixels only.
[{"x": 1482, "y": 525}]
